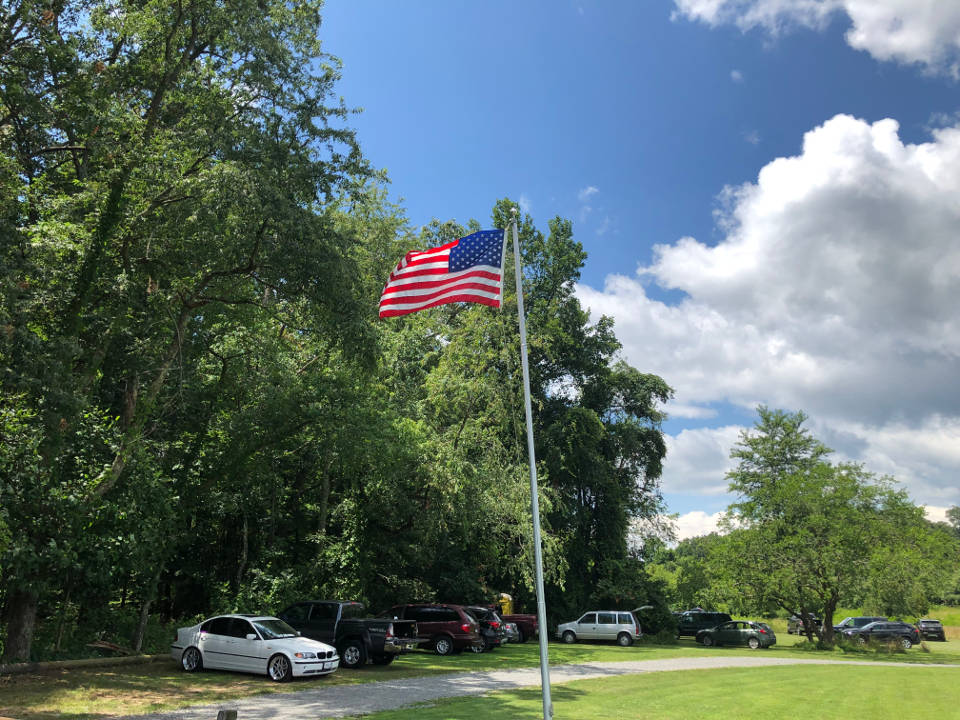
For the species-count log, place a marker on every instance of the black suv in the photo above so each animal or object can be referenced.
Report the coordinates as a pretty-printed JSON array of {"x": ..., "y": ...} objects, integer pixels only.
[
  {"x": 931, "y": 630},
  {"x": 900, "y": 632},
  {"x": 852, "y": 623},
  {"x": 692, "y": 621},
  {"x": 492, "y": 629}
]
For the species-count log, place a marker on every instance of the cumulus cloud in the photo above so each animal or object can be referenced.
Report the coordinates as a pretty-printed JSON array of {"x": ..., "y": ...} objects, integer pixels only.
[
  {"x": 736, "y": 76},
  {"x": 909, "y": 31},
  {"x": 834, "y": 291},
  {"x": 696, "y": 523},
  {"x": 697, "y": 460}
]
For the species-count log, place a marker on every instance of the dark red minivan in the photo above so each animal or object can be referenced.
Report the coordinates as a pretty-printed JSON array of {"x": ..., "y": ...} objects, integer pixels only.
[{"x": 448, "y": 628}]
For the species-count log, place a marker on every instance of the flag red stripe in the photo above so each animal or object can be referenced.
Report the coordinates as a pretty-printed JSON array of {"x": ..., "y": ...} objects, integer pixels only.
[
  {"x": 420, "y": 296},
  {"x": 466, "y": 298},
  {"x": 418, "y": 281}
]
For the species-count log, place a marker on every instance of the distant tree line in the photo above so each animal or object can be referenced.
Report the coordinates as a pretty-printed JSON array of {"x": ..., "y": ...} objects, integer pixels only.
[{"x": 199, "y": 410}]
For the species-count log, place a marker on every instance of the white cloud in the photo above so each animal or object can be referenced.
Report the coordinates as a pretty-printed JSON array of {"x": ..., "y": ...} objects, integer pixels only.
[
  {"x": 697, "y": 460},
  {"x": 935, "y": 514},
  {"x": 525, "y": 203},
  {"x": 834, "y": 291},
  {"x": 681, "y": 410},
  {"x": 696, "y": 523},
  {"x": 752, "y": 137},
  {"x": 736, "y": 76},
  {"x": 909, "y": 31},
  {"x": 585, "y": 193}
]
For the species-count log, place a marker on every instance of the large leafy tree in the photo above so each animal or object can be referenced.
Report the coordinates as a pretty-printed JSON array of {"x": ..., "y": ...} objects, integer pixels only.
[
  {"x": 807, "y": 534},
  {"x": 161, "y": 169}
]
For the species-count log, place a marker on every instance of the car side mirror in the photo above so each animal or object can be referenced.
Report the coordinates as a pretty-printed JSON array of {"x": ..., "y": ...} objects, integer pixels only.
[{"x": 251, "y": 636}]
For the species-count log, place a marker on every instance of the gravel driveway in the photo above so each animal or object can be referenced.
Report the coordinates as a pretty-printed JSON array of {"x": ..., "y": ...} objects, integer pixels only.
[{"x": 346, "y": 700}]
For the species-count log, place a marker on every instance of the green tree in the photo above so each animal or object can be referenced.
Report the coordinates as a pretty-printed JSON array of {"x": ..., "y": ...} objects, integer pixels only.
[
  {"x": 806, "y": 533},
  {"x": 163, "y": 167}
]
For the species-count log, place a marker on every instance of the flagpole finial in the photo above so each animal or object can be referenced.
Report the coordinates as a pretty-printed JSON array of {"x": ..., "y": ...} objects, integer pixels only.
[{"x": 513, "y": 211}]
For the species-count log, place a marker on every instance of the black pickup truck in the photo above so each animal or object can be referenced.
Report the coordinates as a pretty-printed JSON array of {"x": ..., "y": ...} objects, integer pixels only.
[{"x": 358, "y": 638}]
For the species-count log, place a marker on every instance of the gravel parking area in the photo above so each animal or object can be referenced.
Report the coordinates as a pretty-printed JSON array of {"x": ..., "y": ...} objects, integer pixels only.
[{"x": 346, "y": 700}]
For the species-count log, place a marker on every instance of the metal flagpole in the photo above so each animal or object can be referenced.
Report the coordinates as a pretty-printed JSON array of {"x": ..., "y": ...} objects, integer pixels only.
[{"x": 534, "y": 499}]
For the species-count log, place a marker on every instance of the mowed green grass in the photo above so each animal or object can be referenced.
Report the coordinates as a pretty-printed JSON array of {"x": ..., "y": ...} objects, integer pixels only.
[
  {"x": 784, "y": 693},
  {"x": 159, "y": 686}
]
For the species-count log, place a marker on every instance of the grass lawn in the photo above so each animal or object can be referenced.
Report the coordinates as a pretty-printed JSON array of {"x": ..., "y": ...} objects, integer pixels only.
[
  {"x": 784, "y": 693},
  {"x": 152, "y": 687}
]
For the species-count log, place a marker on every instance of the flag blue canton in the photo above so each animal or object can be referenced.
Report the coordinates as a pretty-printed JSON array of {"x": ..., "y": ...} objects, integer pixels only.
[{"x": 481, "y": 248}]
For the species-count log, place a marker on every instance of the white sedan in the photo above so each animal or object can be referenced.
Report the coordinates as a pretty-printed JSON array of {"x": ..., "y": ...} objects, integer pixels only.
[{"x": 252, "y": 643}]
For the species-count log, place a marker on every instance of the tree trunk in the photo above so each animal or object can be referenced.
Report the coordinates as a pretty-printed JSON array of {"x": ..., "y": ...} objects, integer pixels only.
[
  {"x": 136, "y": 642},
  {"x": 828, "y": 609},
  {"x": 142, "y": 624},
  {"x": 21, "y": 617}
]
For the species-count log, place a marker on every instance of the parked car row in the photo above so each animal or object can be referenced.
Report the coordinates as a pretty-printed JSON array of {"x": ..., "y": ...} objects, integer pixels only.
[
  {"x": 711, "y": 628},
  {"x": 317, "y": 637}
]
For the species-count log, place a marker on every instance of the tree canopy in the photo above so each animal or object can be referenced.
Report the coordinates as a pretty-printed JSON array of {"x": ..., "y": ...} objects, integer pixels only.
[{"x": 199, "y": 410}]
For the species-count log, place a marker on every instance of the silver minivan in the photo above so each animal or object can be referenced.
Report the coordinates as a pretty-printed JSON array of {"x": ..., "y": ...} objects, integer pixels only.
[{"x": 616, "y": 625}]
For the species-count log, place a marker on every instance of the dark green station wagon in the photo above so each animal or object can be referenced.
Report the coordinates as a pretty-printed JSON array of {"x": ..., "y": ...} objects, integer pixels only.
[{"x": 739, "y": 632}]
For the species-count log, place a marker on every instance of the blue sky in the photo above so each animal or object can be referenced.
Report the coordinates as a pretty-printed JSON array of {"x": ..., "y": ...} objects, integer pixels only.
[{"x": 756, "y": 222}]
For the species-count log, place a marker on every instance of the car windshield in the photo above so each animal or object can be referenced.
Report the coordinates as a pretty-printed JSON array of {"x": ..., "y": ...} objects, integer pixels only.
[{"x": 274, "y": 629}]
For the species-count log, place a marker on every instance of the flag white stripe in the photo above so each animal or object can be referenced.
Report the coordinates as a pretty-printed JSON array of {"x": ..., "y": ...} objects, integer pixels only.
[
  {"x": 493, "y": 284},
  {"x": 410, "y": 269},
  {"x": 426, "y": 254},
  {"x": 422, "y": 303},
  {"x": 403, "y": 280}
]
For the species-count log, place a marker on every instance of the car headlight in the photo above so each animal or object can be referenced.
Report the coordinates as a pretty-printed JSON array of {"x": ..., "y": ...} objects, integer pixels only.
[{"x": 305, "y": 655}]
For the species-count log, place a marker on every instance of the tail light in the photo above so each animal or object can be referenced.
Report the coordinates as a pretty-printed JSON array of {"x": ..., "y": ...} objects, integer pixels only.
[
  {"x": 176, "y": 636},
  {"x": 389, "y": 633},
  {"x": 762, "y": 631},
  {"x": 466, "y": 627},
  {"x": 636, "y": 630},
  {"x": 494, "y": 624}
]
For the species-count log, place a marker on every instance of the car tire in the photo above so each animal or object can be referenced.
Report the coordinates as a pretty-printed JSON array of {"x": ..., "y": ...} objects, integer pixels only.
[
  {"x": 352, "y": 654},
  {"x": 861, "y": 640},
  {"x": 521, "y": 636},
  {"x": 279, "y": 668},
  {"x": 707, "y": 641},
  {"x": 191, "y": 660},
  {"x": 569, "y": 637},
  {"x": 383, "y": 659},
  {"x": 753, "y": 643},
  {"x": 624, "y": 640},
  {"x": 443, "y": 645},
  {"x": 905, "y": 643}
]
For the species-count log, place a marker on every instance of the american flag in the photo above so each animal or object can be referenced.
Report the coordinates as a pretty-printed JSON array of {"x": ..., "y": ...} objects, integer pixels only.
[{"x": 464, "y": 270}]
